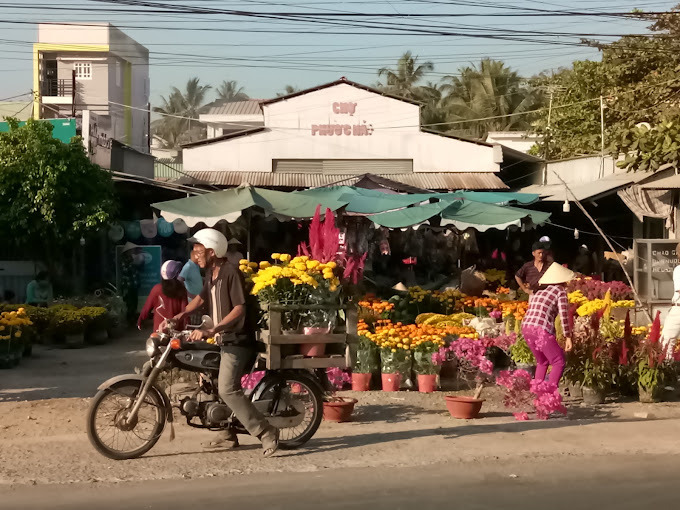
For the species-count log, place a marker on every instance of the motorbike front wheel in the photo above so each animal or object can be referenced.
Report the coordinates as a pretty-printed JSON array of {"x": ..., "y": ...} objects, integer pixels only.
[
  {"x": 298, "y": 409},
  {"x": 108, "y": 430}
]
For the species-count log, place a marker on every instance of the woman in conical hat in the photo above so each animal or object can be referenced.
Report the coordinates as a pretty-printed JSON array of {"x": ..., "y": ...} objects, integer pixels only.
[{"x": 538, "y": 325}]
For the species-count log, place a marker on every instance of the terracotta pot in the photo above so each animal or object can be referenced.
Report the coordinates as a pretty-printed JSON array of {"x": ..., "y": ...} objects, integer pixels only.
[
  {"x": 339, "y": 410},
  {"x": 427, "y": 383},
  {"x": 314, "y": 350},
  {"x": 361, "y": 382},
  {"x": 391, "y": 382},
  {"x": 464, "y": 408}
]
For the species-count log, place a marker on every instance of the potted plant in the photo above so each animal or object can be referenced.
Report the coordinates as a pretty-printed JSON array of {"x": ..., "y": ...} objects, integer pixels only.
[
  {"x": 68, "y": 325},
  {"x": 522, "y": 356},
  {"x": 12, "y": 326},
  {"x": 395, "y": 364},
  {"x": 653, "y": 369},
  {"x": 367, "y": 362},
  {"x": 424, "y": 365},
  {"x": 96, "y": 324}
]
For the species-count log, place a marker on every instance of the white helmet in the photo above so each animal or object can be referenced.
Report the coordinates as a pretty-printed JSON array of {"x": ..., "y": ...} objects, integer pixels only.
[{"x": 212, "y": 240}]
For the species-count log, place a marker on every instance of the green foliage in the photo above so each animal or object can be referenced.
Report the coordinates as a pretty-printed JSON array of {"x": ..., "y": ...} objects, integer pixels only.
[
  {"x": 422, "y": 359},
  {"x": 521, "y": 353},
  {"x": 67, "y": 322},
  {"x": 51, "y": 195},
  {"x": 368, "y": 357},
  {"x": 229, "y": 90},
  {"x": 176, "y": 127},
  {"x": 637, "y": 78}
]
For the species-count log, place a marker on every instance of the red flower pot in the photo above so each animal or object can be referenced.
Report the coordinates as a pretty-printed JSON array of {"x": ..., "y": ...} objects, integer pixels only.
[
  {"x": 361, "y": 382},
  {"x": 464, "y": 408},
  {"x": 314, "y": 350},
  {"x": 339, "y": 410},
  {"x": 427, "y": 383},
  {"x": 391, "y": 382}
]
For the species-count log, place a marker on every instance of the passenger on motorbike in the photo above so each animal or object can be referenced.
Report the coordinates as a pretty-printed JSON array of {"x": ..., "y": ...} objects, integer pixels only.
[{"x": 225, "y": 295}]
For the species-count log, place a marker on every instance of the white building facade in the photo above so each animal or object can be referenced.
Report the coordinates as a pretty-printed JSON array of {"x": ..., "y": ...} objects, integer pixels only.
[{"x": 338, "y": 131}]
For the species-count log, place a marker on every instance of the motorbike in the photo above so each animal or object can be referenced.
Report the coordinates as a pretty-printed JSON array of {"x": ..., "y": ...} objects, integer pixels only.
[{"x": 130, "y": 412}]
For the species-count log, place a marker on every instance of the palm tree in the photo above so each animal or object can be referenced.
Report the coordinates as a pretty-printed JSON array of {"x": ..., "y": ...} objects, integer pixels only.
[
  {"x": 433, "y": 114},
  {"x": 288, "y": 90},
  {"x": 403, "y": 80},
  {"x": 490, "y": 91},
  {"x": 176, "y": 127},
  {"x": 230, "y": 91}
]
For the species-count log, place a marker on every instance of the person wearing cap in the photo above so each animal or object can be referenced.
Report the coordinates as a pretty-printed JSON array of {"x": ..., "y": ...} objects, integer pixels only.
[
  {"x": 234, "y": 255},
  {"x": 166, "y": 299},
  {"x": 671, "y": 325},
  {"x": 224, "y": 293},
  {"x": 528, "y": 275},
  {"x": 538, "y": 325}
]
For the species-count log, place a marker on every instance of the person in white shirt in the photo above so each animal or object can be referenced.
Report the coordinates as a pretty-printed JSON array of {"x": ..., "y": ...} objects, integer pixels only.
[{"x": 671, "y": 326}]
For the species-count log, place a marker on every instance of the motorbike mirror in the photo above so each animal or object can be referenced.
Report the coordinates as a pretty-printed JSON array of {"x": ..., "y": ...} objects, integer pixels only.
[{"x": 207, "y": 322}]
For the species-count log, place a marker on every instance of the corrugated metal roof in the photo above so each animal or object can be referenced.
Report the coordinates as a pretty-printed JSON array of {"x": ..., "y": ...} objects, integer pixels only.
[
  {"x": 423, "y": 181},
  {"x": 249, "y": 107},
  {"x": 584, "y": 191},
  {"x": 672, "y": 182}
]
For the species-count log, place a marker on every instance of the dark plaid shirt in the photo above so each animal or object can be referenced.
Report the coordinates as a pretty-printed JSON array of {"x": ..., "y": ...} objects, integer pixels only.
[
  {"x": 544, "y": 306},
  {"x": 530, "y": 275}
]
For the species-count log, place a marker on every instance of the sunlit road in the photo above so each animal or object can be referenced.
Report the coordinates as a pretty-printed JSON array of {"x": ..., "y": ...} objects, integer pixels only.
[{"x": 613, "y": 482}]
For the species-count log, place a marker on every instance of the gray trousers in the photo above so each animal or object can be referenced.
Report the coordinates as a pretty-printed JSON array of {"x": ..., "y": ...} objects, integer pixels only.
[{"x": 233, "y": 365}]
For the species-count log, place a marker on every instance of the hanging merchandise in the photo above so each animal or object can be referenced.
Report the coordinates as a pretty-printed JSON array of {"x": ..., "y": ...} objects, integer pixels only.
[
  {"x": 133, "y": 230},
  {"x": 116, "y": 232},
  {"x": 148, "y": 228},
  {"x": 164, "y": 228},
  {"x": 179, "y": 226}
]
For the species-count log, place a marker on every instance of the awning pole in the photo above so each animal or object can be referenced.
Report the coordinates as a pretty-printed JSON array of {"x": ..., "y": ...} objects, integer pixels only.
[{"x": 248, "y": 213}]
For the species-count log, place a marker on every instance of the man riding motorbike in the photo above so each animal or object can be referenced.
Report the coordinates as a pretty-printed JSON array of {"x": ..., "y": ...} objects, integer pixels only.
[{"x": 225, "y": 294}]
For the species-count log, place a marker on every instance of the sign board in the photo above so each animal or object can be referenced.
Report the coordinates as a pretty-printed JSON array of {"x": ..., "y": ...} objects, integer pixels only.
[
  {"x": 63, "y": 129},
  {"x": 655, "y": 260},
  {"x": 356, "y": 128},
  {"x": 98, "y": 138},
  {"x": 147, "y": 262}
]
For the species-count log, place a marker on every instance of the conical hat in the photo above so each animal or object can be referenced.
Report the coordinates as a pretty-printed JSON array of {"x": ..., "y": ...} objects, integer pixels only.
[{"x": 556, "y": 273}]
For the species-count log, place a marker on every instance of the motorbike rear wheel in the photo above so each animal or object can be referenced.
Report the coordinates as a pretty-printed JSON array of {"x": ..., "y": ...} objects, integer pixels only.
[
  {"x": 300, "y": 409},
  {"x": 106, "y": 427}
]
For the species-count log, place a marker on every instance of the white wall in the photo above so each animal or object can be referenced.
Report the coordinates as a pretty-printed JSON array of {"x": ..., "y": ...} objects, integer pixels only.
[
  {"x": 93, "y": 33},
  {"x": 581, "y": 170},
  {"x": 519, "y": 141},
  {"x": 395, "y": 135}
]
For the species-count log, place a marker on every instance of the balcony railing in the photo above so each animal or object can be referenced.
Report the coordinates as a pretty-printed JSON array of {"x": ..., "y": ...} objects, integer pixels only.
[{"x": 53, "y": 87}]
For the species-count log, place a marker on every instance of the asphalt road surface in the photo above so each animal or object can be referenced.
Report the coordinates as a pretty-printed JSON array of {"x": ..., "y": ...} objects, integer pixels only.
[{"x": 602, "y": 483}]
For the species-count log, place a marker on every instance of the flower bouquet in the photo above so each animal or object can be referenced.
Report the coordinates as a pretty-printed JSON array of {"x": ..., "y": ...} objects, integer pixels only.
[
  {"x": 395, "y": 364},
  {"x": 12, "y": 326}
]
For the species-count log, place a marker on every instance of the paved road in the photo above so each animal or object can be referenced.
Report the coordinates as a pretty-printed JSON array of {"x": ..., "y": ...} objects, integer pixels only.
[{"x": 602, "y": 483}]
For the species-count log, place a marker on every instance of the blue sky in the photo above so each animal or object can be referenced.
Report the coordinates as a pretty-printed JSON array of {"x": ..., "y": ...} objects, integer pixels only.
[{"x": 261, "y": 58}]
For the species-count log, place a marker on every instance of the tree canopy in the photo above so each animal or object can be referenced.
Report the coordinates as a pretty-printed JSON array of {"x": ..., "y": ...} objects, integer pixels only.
[
  {"x": 51, "y": 195},
  {"x": 175, "y": 127}
]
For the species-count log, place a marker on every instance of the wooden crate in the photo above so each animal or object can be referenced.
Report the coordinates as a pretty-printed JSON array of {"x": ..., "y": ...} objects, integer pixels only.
[{"x": 283, "y": 351}]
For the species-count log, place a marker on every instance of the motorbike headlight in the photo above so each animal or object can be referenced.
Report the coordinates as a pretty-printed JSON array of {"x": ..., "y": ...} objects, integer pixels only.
[{"x": 151, "y": 347}]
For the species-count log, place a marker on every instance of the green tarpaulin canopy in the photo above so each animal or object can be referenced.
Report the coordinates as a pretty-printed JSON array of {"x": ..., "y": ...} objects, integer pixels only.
[
  {"x": 462, "y": 209},
  {"x": 229, "y": 204}
]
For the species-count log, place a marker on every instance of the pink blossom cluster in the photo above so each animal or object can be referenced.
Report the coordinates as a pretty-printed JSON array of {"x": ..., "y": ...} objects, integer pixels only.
[
  {"x": 495, "y": 314},
  {"x": 595, "y": 289},
  {"x": 249, "y": 381},
  {"x": 503, "y": 342},
  {"x": 523, "y": 393},
  {"x": 473, "y": 352},
  {"x": 337, "y": 377}
]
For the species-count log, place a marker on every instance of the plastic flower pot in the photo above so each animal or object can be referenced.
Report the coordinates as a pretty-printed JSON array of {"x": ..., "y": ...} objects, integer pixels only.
[
  {"x": 463, "y": 408},
  {"x": 427, "y": 383},
  {"x": 593, "y": 396},
  {"x": 361, "y": 382},
  {"x": 339, "y": 409},
  {"x": 391, "y": 382},
  {"x": 314, "y": 350},
  {"x": 650, "y": 395}
]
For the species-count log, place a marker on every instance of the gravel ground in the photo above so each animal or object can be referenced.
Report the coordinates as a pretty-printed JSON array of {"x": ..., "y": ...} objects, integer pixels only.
[{"x": 43, "y": 441}]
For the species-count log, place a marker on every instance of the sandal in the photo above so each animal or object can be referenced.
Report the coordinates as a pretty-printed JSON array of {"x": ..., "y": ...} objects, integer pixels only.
[
  {"x": 270, "y": 441},
  {"x": 226, "y": 440}
]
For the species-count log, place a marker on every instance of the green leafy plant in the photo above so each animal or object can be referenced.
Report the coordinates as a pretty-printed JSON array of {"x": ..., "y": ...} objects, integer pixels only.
[
  {"x": 368, "y": 357},
  {"x": 96, "y": 317},
  {"x": 66, "y": 321},
  {"x": 521, "y": 353},
  {"x": 422, "y": 359}
]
